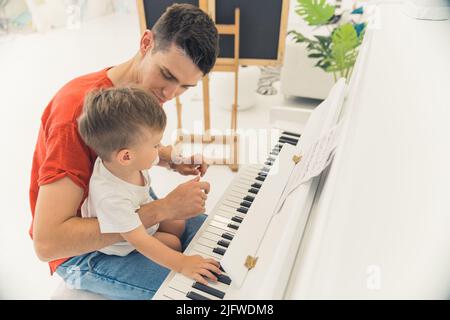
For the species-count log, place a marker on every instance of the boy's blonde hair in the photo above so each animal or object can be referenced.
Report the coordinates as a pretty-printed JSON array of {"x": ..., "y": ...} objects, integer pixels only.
[{"x": 113, "y": 119}]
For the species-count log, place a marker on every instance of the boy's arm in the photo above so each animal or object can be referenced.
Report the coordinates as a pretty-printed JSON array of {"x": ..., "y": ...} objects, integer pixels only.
[{"x": 154, "y": 249}]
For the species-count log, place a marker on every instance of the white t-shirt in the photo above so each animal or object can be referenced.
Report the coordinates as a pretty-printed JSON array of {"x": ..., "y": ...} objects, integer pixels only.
[{"x": 114, "y": 202}]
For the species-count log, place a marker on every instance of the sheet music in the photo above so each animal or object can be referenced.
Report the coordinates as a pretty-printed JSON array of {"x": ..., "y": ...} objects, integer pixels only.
[{"x": 312, "y": 162}]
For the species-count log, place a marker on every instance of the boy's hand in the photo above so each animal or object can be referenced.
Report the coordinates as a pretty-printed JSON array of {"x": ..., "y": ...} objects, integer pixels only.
[
  {"x": 196, "y": 267},
  {"x": 187, "y": 200}
]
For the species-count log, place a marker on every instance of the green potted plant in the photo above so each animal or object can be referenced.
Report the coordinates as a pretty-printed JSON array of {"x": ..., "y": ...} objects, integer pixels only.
[{"x": 336, "y": 52}]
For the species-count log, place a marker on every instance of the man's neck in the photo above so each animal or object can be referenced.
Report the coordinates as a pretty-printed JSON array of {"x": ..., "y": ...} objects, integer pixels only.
[
  {"x": 124, "y": 74},
  {"x": 126, "y": 174}
]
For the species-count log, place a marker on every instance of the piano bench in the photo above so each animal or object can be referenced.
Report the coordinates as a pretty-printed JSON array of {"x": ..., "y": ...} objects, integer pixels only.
[{"x": 63, "y": 292}]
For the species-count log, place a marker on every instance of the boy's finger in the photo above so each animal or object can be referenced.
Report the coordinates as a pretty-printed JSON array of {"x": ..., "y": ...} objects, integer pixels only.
[
  {"x": 200, "y": 279},
  {"x": 208, "y": 274}
]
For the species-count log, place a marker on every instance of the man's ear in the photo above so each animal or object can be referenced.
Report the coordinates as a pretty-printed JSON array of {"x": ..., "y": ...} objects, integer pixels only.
[
  {"x": 147, "y": 42},
  {"x": 124, "y": 157}
]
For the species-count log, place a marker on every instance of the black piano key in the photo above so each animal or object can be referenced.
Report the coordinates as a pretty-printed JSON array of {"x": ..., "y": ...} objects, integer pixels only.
[
  {"x": 223, "y": 243},
  {"x": 249, "y": 198},
  {"x": 212, "y": 291},
  {"x": 242, "y": 210},
  {"x": 219, "y": 250},
  {"x": 257, "y": 185},
  {"x": 195, "y": 296},
  {"x": 278, "y": 146},
  {"x": 237, "y": 219},
  {"x": 232, "y": 226},
  {"x": 245, "y": 204},
  {"x": 221, "y": 269},
  {"x": 262, "y": 174},
  {"x": 222, "y": 278},
  {"x": 268, "y": 163},
  {"x": 253, "y": 190},
  {"x": 260, "y": 178},
  {"x": 227, "y": 236},
  {"x": 289, "y": 139},
  {"x": 291, "y": 134}
]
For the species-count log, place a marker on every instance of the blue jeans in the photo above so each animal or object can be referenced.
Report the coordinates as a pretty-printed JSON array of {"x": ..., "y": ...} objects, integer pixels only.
[{"x": 132, "y": 277}]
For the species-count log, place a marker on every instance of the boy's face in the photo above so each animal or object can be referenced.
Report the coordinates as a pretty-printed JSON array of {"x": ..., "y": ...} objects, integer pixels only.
[
  {"x": 166, "y": 73},
  {"x": 145, "y": 152}
]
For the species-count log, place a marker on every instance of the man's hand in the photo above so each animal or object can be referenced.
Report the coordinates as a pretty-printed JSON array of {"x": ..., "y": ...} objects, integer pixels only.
[
  {"x": 193, "y": 165},
  {"x": 187, "y": 200}
]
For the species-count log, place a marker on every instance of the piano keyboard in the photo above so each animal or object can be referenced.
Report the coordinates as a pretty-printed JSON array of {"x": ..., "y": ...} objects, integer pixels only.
[{"x": 216, "y": 234}]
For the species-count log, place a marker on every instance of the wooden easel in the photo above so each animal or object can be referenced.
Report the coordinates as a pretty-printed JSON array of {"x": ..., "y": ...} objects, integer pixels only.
[{"x": 230, "y": 65}]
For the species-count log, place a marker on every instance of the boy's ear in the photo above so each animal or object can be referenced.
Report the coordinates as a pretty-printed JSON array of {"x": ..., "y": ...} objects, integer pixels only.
[{"x": 124, "y": 157}]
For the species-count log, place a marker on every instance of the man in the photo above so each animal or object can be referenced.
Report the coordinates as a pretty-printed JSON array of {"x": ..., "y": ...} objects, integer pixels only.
[{"x": 181, "y": 48}]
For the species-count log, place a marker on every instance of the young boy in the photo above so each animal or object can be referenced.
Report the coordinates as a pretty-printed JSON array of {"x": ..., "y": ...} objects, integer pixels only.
[{"x": 124, "y": 126}]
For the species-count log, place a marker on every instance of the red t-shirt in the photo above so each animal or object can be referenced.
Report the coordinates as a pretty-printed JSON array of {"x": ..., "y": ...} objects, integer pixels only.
[{"x": 60, "y": 152}]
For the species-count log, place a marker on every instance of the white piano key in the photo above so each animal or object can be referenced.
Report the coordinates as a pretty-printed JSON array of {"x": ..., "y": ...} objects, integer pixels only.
[
  {"x": 206, "y": 250},
  {"x": 212, "y": 237},
  {"x": 207, "y": 242},
  {"x": 241, "y": 194},
  {"x": 230, "y": 215},
  {"x": 232, "y": 202},
  {"x": 222, "y": 219},
  {"x": 175, "y": 294},
  {"x": 231, "y": 205},
  {"x": 194, "y": 252},
  {"x": 235, "y": 198},
  {"x": 223, "y": 227},
  {"x": 254, "y": 170},
  {"x": 241, "y": 189},
  {"x": 248, "y": 180},
  {"x": 210, "y": 232},
  {"x": 246, "y": 187},
  {"x": 217, "y": 230}
]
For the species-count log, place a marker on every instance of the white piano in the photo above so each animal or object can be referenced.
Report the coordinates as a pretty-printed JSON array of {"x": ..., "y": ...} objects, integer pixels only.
[{"x": 375, "y": 224}]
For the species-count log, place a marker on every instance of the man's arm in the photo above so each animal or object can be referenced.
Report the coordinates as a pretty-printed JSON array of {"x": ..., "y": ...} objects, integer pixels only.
[{"x": 59, "y": 233}]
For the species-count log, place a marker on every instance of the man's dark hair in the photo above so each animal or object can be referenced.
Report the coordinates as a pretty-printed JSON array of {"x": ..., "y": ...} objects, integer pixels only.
[{"x": 190, "y": 29}]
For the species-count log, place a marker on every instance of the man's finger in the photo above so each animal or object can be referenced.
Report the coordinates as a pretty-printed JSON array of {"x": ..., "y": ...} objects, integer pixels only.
[{"x": 203, "y": 169}]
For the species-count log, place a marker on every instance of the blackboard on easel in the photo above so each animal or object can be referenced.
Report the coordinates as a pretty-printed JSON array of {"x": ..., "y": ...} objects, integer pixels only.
[{"x": 263, "y": 26}]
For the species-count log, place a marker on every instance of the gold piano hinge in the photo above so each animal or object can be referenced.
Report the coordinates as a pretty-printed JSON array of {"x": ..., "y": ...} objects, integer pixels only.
[
  {"x": 296, "y": 158},
  {"x": 250, "y": 262}
]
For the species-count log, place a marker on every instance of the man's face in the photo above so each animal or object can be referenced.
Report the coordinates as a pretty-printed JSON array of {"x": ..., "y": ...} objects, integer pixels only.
[{"x": 168, "y": 73}]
